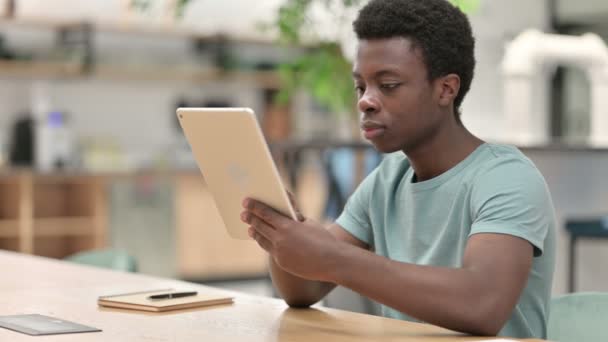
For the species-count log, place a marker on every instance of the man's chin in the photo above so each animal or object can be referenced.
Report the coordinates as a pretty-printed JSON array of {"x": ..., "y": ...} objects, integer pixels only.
[{"x": 385, "y": 148}]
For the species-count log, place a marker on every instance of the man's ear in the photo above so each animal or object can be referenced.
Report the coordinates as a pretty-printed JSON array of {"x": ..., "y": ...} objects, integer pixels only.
[{"x": 448, "y": 86}]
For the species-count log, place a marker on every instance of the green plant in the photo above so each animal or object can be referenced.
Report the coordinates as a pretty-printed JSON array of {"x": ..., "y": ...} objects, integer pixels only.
[
  {"x": 322, "y": 69},
  {"x": 140, "y": 5},
  {"x": 144, "y": 6},
  {"x": 467, "y": 6},
  {"x": 180, "y": 7}
]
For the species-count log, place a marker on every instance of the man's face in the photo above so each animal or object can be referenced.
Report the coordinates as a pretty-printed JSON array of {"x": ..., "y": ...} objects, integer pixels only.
[{"x": 398, "y": 104}]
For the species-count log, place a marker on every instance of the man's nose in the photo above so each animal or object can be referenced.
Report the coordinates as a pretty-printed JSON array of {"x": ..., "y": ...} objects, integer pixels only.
[{"x": 368, "y": 103}]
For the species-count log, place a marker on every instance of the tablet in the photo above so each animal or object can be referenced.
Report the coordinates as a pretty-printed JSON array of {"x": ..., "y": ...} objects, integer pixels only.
[
  {"x": 232, "y": 154},
  {"x": 42, "y": 325}
]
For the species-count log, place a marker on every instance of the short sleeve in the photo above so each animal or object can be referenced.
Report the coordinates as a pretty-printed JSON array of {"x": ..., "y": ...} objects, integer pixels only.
[
  {"x": 512, "y": 198},
  {"x": 355, "y": 217}
]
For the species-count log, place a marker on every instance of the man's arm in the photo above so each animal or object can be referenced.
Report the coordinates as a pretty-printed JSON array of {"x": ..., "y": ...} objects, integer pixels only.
[
  {"x": 477, "y": 298},
  {"x": 300, "y": 292}
]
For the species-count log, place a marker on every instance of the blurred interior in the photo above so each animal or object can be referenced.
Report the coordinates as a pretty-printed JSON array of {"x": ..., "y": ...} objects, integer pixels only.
[{"x": 93, "y": 158}]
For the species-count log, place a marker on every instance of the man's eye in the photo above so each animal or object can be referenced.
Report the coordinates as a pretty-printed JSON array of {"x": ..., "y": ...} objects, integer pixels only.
[
  {"x": 389, "y": 85},
  {"x": 359, "y": 89}
]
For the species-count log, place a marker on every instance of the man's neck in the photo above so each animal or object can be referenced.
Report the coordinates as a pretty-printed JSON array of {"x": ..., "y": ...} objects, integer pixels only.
[{"x": 450, "y": 146}]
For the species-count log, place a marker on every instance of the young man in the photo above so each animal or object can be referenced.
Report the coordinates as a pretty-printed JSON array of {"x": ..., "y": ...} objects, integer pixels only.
[{"x": 449, "y": 230}]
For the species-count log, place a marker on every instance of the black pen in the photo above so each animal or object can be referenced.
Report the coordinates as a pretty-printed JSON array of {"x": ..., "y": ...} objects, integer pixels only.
[{"x": 173, "y": 295}]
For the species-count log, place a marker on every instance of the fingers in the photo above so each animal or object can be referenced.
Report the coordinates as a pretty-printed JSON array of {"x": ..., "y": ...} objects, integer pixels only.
[
  {"x": 266, "y": 213},
  {"x": 292, "y": 200},
  {"x": 260, "y": 239},
  {"x": 259, "y": 225}
]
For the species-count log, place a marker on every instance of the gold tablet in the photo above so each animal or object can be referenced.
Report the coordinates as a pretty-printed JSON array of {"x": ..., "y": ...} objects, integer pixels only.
[{"x": 232, "y": 154}]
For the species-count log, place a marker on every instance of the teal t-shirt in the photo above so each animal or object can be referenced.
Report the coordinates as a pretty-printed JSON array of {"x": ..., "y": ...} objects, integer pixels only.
[{"x": 496, "y": 189}]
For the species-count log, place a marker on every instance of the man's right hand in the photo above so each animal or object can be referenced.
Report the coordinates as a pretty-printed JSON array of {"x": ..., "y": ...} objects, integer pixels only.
[{"x": 297, "y": 291}]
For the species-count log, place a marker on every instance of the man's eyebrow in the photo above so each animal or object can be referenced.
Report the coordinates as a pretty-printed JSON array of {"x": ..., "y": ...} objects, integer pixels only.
[
  {"x": 386, "y": 72},
  {"x": 379, "y": 73}
]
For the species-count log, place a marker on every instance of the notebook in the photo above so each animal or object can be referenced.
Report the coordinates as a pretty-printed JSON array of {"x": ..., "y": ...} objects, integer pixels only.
[{"x": 141, "y": 301}]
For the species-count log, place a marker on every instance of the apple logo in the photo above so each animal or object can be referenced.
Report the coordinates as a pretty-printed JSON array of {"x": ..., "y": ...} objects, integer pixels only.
[{"x": 238, "y": 175}]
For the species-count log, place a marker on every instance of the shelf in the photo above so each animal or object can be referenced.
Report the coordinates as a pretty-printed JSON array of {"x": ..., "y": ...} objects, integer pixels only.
[
  {"x": 41, "y": 23},
  {"x": 176, "y": 31},
  {"x": 269, "y": 79},
  {"x": 51, "y": 214},
  {"x": 32, "y": 69},
  {"x": 96, "y": 69},
  {"x": 9, "y": 228},
  {"x": 134, "y": 28},
  {"x": 64, "y": 226},
  {"x": 266, "y": 79}
]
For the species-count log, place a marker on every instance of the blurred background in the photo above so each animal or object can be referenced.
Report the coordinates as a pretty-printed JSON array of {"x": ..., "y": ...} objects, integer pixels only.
[{"x": 94, "y": 166}]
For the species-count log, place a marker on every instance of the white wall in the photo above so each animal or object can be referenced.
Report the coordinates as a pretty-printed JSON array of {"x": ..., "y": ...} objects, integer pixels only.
[
  {"x": 569, "y": 10},
  {"x": 496, "y": 23}
]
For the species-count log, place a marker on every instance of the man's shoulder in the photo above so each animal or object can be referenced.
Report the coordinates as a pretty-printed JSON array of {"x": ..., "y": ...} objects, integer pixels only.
[
  {"x": 506, "y": 161},
  {"x": 505, "y": 169}
]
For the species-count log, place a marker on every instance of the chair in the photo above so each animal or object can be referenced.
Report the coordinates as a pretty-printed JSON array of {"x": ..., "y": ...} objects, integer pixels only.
[
  {"x": 340, "y": 164},
  {"x": 340, "y": 167},
  {"x": 579, "y": 316},
  {"x": 106, "y": 258}
]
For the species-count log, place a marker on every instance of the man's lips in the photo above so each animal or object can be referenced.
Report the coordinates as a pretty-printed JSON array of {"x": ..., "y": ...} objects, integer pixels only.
[{"x": 372, "y": 130}]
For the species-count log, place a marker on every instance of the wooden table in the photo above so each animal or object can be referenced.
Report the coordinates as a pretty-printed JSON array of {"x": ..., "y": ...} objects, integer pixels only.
[{"x": 31, "y": 284}]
